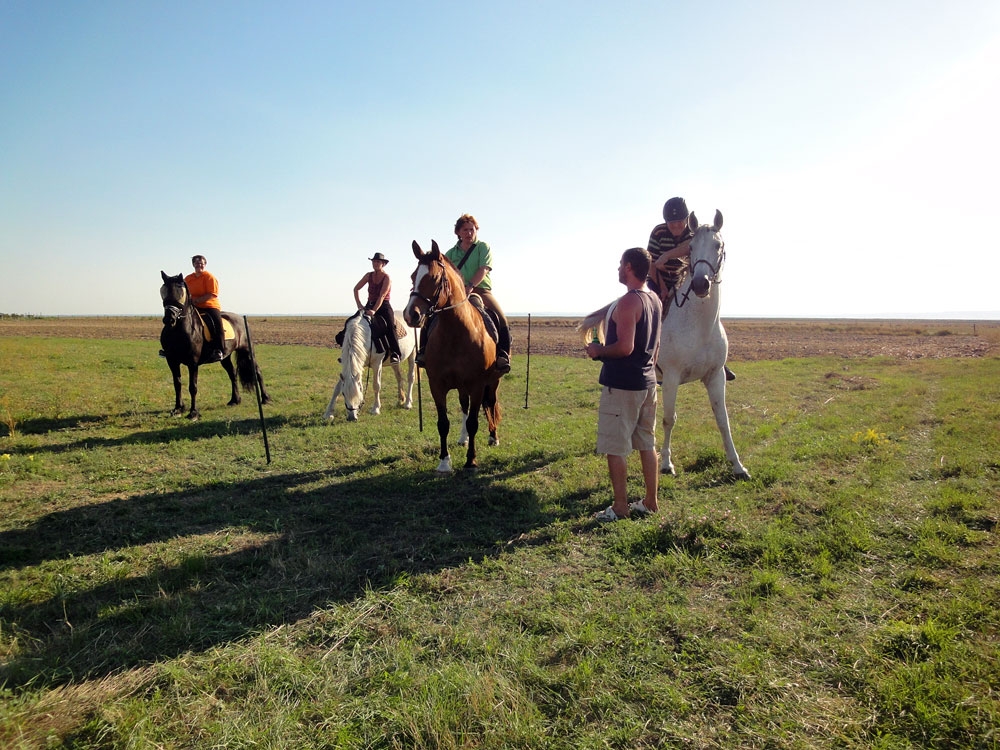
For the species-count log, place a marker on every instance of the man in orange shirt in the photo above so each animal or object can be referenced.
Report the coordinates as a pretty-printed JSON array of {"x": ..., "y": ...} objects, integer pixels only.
[{"x": 204, "y": 289}]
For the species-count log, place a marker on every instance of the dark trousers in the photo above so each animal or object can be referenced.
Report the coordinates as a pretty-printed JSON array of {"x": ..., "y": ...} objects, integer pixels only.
[
  {"x": 388, "y": 318},
  {"x": 213, "y": 318}
]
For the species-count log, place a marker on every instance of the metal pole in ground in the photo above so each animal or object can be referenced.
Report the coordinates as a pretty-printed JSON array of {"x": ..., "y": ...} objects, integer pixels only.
[
  {"x": 256, "y": 390},
  {"x": 527, "y": 373}
]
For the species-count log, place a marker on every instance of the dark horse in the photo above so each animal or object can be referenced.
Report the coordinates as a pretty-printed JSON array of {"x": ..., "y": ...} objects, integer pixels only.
[
  {"x": 459, "y": 354},
  {"x": 183, "y": 340}
]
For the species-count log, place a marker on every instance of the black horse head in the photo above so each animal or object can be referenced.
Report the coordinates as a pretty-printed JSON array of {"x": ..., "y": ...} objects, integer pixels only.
[{"x": 176, "y": 298}]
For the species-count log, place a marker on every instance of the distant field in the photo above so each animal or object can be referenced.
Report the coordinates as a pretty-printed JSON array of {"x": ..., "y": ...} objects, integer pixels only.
[{"x": 750, "y": 339}]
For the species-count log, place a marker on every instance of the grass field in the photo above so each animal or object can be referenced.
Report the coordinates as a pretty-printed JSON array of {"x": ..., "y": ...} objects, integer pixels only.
[{"x": 161, "y": 585}]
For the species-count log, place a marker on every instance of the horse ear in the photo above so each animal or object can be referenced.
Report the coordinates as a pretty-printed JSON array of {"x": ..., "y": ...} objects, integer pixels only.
[
  {"x": 435, "y": 250},
  {"x": 718, "y": 220},
  {"x": 417, "y": 252},
  {"x": 692, "y": 221},
  {"x": 165, "y": 277}
]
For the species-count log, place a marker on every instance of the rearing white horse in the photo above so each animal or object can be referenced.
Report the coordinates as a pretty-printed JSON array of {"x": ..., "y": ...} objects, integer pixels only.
[
  {"x": 693, "y": 343},
  {"x": 357, "y": 354}
]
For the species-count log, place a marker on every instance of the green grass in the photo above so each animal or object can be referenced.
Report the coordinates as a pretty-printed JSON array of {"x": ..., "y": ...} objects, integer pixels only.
[{"x": 161, "y": 585}]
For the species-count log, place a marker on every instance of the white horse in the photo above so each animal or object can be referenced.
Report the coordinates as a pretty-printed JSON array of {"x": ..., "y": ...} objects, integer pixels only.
[
  {"x": 357, "y": 354},
  {"x": 693, "y": 343}
]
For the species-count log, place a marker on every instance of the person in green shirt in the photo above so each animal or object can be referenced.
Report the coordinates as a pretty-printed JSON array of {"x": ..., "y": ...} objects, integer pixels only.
[{"x": 474, "y": 260}]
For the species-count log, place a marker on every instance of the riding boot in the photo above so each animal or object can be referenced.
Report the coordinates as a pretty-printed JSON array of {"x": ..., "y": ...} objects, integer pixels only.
[
  {"x": 502, "y": 363},
  {"x": 730, "y": 375}
]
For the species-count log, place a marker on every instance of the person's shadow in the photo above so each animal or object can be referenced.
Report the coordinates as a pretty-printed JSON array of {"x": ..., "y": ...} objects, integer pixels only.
[{"x": 209, "y": 578}]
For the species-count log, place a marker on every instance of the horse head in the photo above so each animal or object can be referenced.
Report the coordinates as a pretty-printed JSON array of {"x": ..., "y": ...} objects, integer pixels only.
[
  {"x": 708, "y": 253},
  {"x": 174, "y": 294},
  {"x": 431, "y": 288}
]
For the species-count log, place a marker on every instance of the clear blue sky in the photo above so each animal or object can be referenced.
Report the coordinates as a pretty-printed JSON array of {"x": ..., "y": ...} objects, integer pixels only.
[{"x": 852, "y": 148}]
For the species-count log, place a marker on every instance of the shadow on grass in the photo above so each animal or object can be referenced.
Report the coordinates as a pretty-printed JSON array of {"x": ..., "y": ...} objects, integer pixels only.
[
  {"x": 180, "y": 429},
  {"x": 329, "y": 537}
]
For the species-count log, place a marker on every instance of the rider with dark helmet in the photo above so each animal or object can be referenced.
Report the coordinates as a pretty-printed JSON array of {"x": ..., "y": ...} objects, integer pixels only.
[{"x": 669, "y": 247}]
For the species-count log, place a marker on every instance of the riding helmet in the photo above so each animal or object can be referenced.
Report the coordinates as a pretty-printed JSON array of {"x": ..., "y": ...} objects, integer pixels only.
[{"x": 675, "y": 209}]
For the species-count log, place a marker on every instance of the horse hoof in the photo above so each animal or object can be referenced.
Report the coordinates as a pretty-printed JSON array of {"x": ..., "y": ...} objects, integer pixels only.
[
  {"x": 194, "y": 416},
  {"x": 463, "y": 443},
  {"x": 741, "y": 476},
  {"x": 445, "y": 466},
  {"x": 471, "y": 467},
  {"x": 668, "y": 471},
  {"x": 494, "y": 441},
  {"x": 233, "y": 402}
]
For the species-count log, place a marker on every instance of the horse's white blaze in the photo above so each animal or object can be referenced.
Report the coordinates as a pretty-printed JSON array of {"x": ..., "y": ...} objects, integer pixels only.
[{"x": 411, "y": 313}]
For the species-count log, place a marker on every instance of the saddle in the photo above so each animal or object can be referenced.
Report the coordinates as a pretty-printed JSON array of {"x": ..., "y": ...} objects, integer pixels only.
[
  {"x": 228, "y": 332},
  {"x": 380, "y": 333}
]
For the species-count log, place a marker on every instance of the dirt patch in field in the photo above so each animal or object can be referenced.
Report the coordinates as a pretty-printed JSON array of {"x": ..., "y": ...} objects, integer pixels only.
[{"x": 749, "y": 338}]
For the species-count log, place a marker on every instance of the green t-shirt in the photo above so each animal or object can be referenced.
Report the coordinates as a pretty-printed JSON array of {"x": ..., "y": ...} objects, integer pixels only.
[{"x": 480, "y": 256}]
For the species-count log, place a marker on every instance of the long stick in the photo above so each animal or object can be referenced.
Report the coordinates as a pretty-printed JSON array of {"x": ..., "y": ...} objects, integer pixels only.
[
  {"x": 527, "y": 374},
  {"x": 420, "y": 402},
  {"x": 256, "y": 390},
  {"x": 420, "y": 393}
]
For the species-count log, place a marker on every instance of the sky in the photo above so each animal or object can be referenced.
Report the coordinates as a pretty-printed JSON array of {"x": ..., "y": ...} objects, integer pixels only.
[{"x": 851, "y": 147}]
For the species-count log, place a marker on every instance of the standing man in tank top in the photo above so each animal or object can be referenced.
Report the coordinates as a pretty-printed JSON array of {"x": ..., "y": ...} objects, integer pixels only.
[{"x": 627, "y": 416}]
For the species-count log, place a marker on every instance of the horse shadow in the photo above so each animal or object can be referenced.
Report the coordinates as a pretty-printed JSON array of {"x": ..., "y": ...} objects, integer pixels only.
[
  {"x": 328, "y": 537},
  {"x": 182, "y": 429}
]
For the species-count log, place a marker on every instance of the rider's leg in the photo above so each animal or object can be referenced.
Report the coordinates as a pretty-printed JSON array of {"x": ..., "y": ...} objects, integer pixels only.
[
  {"x": 502, "y": 363},
  {"x": 388, "y": 317},
  {"x": 218, "y": 343}
]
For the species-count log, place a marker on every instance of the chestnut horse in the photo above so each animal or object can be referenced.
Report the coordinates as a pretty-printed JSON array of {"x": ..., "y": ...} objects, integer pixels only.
[{"x": 459, "y": 354}]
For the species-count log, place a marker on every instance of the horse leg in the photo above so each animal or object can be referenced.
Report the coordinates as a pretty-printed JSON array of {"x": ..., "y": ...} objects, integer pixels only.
[
  {"x": 472, "y": 427},
  {"x": 715, "y": 384},
  {"x": 669, "y": 420},
  {"x": 328, "y": 414},
  {"x": 463, "y": 436},
  {"x": 441, "y": 404},
  {"x": 411, "y": 377},
  {"x": 175, "y": 372},
  {"x": 227, "y": 365},
  {"x": 377, "y": 385},
  {"x": 193, "y": 390},
  {"x": 491, "y": 406}
]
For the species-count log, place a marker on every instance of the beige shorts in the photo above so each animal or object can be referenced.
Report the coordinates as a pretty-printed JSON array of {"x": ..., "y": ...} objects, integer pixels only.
[{"x": 626, "y": 421}]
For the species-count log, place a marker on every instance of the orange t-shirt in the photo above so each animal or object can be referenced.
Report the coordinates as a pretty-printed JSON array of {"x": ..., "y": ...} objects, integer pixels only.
[{"x": 204, "y": 283}]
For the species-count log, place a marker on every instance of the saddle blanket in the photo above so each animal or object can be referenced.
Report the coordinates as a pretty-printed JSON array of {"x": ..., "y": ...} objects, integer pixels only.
[{"x": 228, "y": 332}]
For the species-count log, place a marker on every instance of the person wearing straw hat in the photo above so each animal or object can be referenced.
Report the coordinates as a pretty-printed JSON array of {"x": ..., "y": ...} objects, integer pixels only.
[{"x": 379, "y": 287}]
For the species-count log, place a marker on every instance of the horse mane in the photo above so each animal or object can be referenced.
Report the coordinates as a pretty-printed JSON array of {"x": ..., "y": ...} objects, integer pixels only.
[{"x": 353, "y": 357}]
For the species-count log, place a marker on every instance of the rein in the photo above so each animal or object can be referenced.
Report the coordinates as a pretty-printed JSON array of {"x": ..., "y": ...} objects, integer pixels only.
[
  {"x": 715, "y": 269},
  {"x": 442, "y": 290}
]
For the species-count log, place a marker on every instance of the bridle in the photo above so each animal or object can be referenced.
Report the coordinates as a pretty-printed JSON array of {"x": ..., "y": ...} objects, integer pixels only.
[
  {"x": 443, "y": 291},
  {"x": 714, "y": 277},
  {"x": 174, "y": 307}
]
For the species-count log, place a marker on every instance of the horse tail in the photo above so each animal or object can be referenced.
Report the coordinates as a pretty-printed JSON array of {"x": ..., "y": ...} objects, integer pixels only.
[
  {"x": 246, "y": 370},
  {"x": 491, "y": 406},
  {"x": 594, "y": 320}
]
